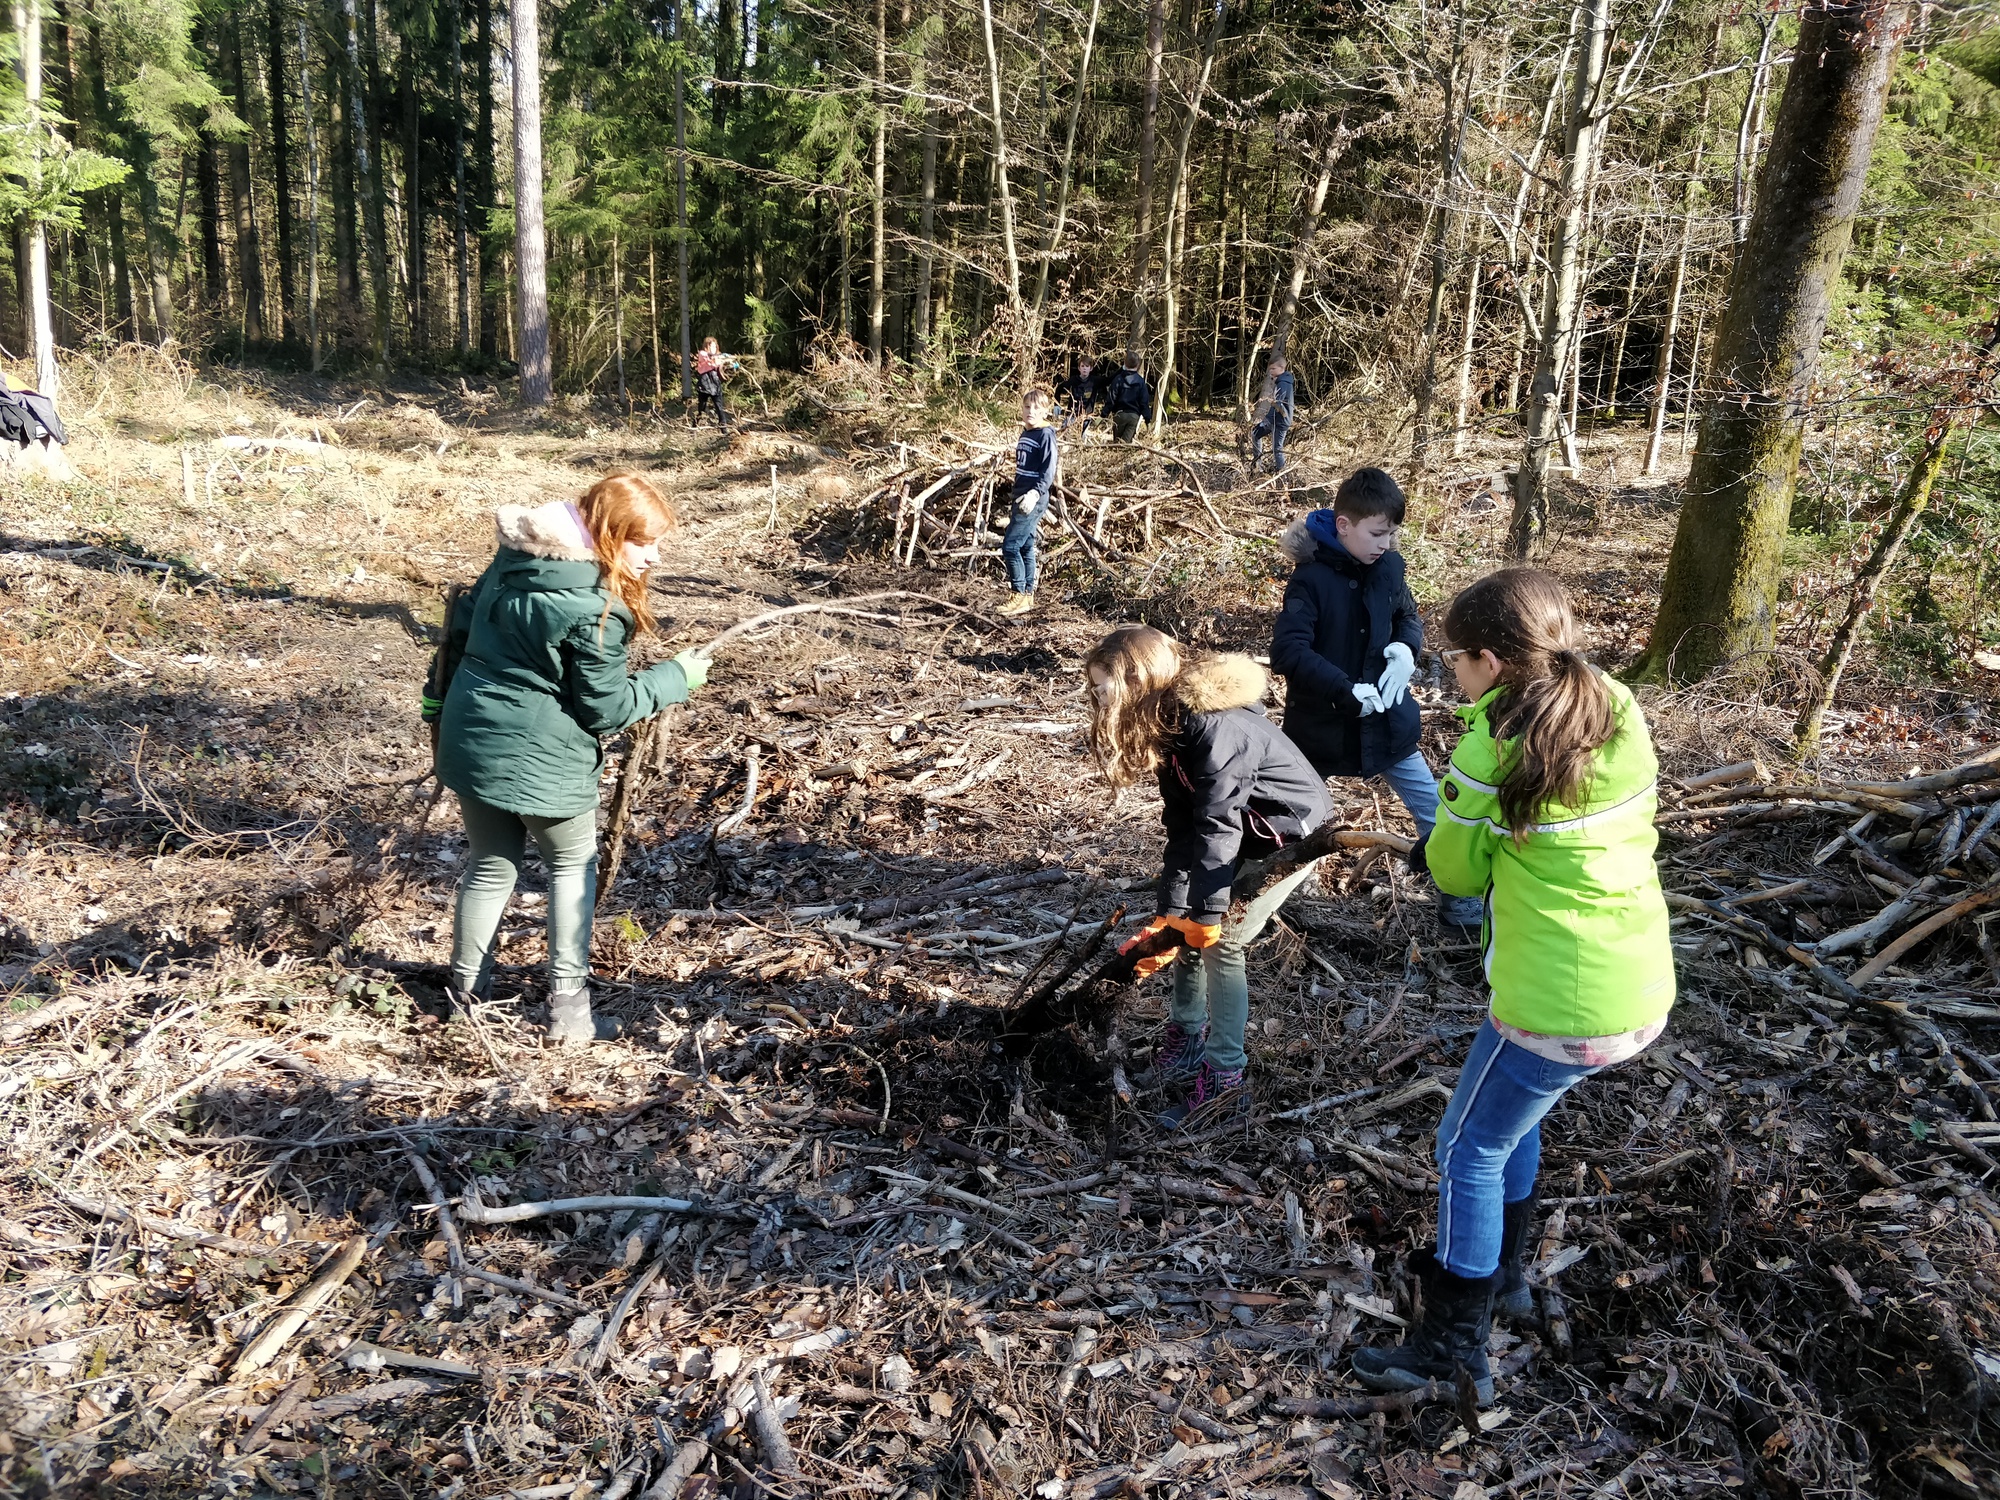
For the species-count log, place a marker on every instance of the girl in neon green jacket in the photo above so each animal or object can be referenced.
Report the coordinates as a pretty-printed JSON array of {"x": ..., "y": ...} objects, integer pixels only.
[{"x": 1546, "y": 814}]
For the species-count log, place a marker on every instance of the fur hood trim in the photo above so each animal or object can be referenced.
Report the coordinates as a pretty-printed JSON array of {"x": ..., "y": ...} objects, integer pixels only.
[
  {"x": 553, "y": 530},
  {"x": 1302, "y": 540},
  {"x": 1210, "y": 684}
]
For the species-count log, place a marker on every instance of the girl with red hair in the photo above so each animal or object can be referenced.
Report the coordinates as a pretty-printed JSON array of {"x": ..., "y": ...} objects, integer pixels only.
[{"x": 541, "y": 678}]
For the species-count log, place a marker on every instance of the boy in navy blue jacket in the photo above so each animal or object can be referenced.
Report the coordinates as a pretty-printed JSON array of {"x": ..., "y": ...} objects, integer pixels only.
[
  {"x": 1034, "y": 474},
  {"x": 1346, "y": 644}
]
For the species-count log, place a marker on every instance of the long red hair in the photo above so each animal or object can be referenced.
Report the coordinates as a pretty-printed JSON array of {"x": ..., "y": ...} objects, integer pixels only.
[{"x": 619, "y": 508}]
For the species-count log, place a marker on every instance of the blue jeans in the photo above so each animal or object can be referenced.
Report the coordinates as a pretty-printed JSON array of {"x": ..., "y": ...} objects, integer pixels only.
[
  {"x": 1017, "y": 547},
  {"x": 1489, "y": 1145},
  {"x": 1411, "y": 780},
  {"x": 1276, "y": 424},
  {"x": 1214, "y": 985}
]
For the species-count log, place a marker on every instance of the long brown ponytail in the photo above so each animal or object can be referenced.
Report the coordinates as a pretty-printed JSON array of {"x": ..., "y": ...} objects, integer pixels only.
[{"x": 1553, "y": 705}]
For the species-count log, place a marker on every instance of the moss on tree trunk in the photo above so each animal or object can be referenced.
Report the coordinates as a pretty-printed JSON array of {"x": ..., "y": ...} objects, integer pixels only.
[{"x": 1718, "y": 602}]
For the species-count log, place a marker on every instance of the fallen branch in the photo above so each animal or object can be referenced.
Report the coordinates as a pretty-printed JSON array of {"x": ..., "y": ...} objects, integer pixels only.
[
  {"x": 264, "y": 1348},
  {"x": 474, "y": 1212}
]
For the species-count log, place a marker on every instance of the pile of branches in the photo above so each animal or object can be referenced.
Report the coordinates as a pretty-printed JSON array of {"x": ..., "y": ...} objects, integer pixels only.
[
  {"x": 955, "y": 509},
  {"x": 1925, "y": 859}
]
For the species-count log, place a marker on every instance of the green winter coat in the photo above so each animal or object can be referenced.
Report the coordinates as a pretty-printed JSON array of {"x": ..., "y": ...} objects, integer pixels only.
[
  {"x": 1576, "y": 928},
  {"x": 543, "y": 674}
]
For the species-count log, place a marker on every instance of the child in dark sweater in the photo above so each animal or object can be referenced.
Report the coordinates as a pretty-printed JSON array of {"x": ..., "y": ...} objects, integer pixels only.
[{"x": 1034, "y": 474}]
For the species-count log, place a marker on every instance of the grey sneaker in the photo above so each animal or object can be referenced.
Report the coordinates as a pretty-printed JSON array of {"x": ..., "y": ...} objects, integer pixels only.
[{"x": 570, "y": 1019}]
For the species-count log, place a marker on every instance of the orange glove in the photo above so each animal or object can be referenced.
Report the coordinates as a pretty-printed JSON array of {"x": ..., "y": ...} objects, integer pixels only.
[{"x": 1193, "y": 934}]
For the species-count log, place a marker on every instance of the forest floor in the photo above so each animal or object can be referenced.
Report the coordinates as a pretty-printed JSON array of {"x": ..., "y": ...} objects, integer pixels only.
[{"x": 248, "y": 1231}]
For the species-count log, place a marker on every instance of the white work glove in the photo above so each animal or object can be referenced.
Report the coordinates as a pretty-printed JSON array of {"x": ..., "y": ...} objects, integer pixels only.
[
  {"x": 1028, "y": 501},
  {"x": 1394, "y": 682},
  {"x": 1369, "y": 699}
]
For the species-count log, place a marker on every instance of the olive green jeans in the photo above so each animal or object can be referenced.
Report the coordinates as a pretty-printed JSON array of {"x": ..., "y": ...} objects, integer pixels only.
[{"x": 498, "y": 840}]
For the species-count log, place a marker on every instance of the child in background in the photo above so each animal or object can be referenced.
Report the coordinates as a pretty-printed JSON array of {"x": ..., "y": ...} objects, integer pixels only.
[
  {"x": 1079, "y": 394},
  {"x": 1346, "y": 644},
  {"x": 711, "y": 368},
  {"x": 1034, "y": 474},
  {"x": 1128, "y": 398},
  {"x": 1280, "y": 404},
  {"x": 1548, "y": 814},
  {"x": 1231, "y": 788}
]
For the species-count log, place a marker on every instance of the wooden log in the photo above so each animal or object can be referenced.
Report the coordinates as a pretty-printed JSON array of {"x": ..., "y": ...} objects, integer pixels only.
[{"x": 264, "y": 1348}]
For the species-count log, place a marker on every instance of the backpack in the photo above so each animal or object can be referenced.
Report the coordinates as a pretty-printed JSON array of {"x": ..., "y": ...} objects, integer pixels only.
[{"x": 451, "y": 643}]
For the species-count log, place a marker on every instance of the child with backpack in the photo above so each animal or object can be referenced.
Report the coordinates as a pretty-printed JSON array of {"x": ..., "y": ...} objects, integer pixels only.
[
  {"x": 1547, "y": 813},
  {"x": 1346, "y": 642},
  {"x": 1035, "y": 461},
  {"x": 541, "y": 677},
  {"x": 1232, "y": 788}
]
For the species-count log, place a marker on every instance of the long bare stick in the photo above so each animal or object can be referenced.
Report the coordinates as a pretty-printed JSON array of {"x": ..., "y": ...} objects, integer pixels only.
[{"x": 265, "y": 1347}]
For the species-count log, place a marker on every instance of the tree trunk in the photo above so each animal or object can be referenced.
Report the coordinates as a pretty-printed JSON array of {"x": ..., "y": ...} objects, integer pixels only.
[
  {"x": 618, "y": 320},
  {"x": 365, "y": 182},
  {"x": 415, "y": 308},
  {"x": 1149, "y": 122},
  {"x": 41, "y": 328},
  {"x": 653, "y": 301},
  {"x": 681, "y": 210},
  {"x": 312, "y": 196},
  {"x": 1719, "y": 598},
  {"x": 1458, "y": 122},
  {"x": 1910, "y": 505},
  {"x": 346, "y": 212},
  {"x": 1563, "y": 282},
  {"x": 1169, "y": 247},
  {"x": 249, "y": 253},
  {"x": 530, "y": 247},
  {"x": 1663, "y": 369},
  {"x": 1462, "y": 409},
  {"x": 1023, "y": 356},
  {"x": 376, "y": 184},
  {"x": 1054, "y": 241},
  {"x": 485, "y": 192},
  {"x": 208, "y": 183},
  {"x": 926, "y": 239},
  {"x": 878, "y": 276},
  {"x": 121, "y": 270},
  {"x": 460, "y": 243},
  {"x": 1750, "y": 131},
  {"x": 281, "y": 168}
]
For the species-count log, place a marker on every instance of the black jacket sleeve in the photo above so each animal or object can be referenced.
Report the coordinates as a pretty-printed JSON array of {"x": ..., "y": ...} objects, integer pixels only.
[
  {"x": 1207, "y": 784},
  {"x": 1295, "y": 657},
  {"x": 1409, "y": 624}
]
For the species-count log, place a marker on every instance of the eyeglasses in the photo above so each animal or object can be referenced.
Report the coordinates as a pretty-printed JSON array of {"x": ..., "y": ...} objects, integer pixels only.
[{"x": 1450, "y": 658}]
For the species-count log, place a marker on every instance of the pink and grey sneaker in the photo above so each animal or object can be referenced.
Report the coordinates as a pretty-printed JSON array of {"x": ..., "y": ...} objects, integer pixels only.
[
  {"x": 1178, "y": 1058},
  {"x": 1218, "y": 1093}
]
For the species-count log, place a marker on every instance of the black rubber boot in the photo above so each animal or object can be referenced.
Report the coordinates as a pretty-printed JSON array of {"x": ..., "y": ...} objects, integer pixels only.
[
  {"x": 1458, "y": 1316},
  {"x": 1512, "y": 1299}
]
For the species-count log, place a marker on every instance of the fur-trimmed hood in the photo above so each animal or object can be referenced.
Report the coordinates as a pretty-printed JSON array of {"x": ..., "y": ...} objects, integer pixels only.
[
  {"x": 1211, "y": 684},
  {"x": 553, "y": 530},
  {"x": 1301, "y": 541}
]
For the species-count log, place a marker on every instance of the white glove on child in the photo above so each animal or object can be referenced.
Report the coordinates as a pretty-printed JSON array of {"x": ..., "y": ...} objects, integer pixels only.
[
  {"x": 1394, "y": 682},
  {"x": 1028, "y": 501},
  {"x": 1370, "y": 700}
]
